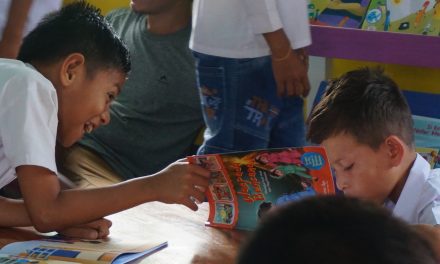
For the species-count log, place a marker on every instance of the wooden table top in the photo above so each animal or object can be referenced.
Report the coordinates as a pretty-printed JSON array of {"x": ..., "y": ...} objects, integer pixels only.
[{"x": 189, "y": 240}]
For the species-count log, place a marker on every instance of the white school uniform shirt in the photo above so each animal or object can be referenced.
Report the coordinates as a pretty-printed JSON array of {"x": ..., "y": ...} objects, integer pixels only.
[
  {"x": 419, "y": 202},
  {"x": 28, "y": 119},
  {"x": 233, "y": 28}
]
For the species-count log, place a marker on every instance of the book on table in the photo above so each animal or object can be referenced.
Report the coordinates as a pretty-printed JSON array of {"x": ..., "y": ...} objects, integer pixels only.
[{"x": 63, "y": 251}]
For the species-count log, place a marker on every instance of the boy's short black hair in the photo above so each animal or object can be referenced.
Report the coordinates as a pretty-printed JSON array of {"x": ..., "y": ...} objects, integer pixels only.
[
  {"x": 334, "y": 230},
  {"x": 76, "y": 28},
  {"x": 364, "y": 103}
]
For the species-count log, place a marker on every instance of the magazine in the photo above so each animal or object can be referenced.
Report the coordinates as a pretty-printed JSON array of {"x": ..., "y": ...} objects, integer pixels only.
[
  {"x": 340, "y": 13},
  {"x": 62, "y": 251},
  {"x": 405, "y": 16},
  {"x": 244, "y": 185}
]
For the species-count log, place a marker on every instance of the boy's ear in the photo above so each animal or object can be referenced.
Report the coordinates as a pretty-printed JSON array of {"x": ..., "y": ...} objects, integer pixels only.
[
  {"x": 70, "y": 69},
  {"x": 395, "y": 149}
]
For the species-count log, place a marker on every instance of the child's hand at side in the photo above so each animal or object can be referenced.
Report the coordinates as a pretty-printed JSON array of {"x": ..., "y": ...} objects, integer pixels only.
[
  {"x": 97, "y": 229},
  {"x": 181, "y": 183}
]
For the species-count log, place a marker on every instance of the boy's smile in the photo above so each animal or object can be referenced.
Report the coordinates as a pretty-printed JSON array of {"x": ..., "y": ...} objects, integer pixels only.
[{"x": 360, "y": 171}]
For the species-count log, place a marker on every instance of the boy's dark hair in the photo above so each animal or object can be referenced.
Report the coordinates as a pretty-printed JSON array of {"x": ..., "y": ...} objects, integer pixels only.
[
  {"x": 77, "y": 27},
  {"x": 364, "y": 103},
  {"x": 334, "y": 230}
]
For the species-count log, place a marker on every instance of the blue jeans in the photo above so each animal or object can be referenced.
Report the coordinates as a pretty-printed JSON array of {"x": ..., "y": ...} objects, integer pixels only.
[{"x": 241, "y": 108}]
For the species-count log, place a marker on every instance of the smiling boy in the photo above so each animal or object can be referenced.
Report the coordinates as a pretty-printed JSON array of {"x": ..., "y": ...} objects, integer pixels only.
[
  {"x": 365, "y": 124},
  {"x": 71, "y": 68}
]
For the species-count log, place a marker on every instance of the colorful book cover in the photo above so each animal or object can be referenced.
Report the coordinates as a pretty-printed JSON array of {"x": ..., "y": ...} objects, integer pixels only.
[
  {"x": 405, "y": 16},
  {"x": 426, "y": 131},
  {"x": 338, "y": 13},
  {"x": 244, "y": 185},
  {"x": 77, "y": 251},
  {"x": 431, "y": 155},
  {"x": 427, "y": 138}
]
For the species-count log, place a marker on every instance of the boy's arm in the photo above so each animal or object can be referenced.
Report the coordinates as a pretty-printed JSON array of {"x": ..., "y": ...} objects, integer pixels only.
[
  {"x": 289, "y": 66},
  {"x": 52, "y": 209},
  {"x": 13, "y": 213},
  {"x": 10, "y": 41}
]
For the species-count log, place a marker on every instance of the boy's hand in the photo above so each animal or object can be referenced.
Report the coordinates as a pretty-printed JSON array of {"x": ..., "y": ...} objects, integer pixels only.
[
  {"x": 289, "y": 66},
  {"x": 182, "y": 183},
  {"x": 291, "y": 74},
  {"x": 97, "y": 229}
]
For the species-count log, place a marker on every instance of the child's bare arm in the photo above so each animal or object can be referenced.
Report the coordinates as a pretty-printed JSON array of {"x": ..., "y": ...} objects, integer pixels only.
[
  {"x": 289, "y": 66},
  {"x": 52, "y": 209},
  {"x": 10, "y": 41},
  {"x": 13, "y": 213}
]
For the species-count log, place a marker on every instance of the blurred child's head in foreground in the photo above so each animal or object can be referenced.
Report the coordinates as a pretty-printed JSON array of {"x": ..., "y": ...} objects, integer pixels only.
[{"x": 334, "y": 229}]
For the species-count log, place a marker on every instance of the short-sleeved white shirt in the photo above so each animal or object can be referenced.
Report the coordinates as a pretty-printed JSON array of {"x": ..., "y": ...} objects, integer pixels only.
[
  {"x": 28, "y": 119},
  {"x": 419, "y": 202},
  {"x": 233, "y": 28}
]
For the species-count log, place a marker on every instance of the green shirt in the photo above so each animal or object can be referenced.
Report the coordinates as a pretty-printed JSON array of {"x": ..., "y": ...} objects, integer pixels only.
[{"x": 157, "y": 116}]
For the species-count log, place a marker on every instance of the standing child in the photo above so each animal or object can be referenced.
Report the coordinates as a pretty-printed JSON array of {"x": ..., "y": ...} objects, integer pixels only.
[
  {"x": 365, "y": 124},
  {"x": 72, "y": 67},
  {"x": 251, "y": 69}
]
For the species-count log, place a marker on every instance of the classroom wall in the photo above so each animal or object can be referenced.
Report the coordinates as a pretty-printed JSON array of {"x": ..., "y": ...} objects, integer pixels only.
[
  {"x": 407, "y": 77},
  {"x": 317, "y": 73},
  {"x": 105, "y": 5}
]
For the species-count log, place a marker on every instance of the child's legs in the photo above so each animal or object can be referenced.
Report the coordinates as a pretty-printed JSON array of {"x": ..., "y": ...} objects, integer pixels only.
[
  {"x": 289, "y": 130},
  {"x": 85, "y": 168},
  {"x": 239, "y": 102}
]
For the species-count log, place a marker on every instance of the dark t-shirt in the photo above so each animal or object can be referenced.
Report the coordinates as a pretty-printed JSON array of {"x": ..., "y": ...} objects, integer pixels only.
[{"x": 157, "y": 116}]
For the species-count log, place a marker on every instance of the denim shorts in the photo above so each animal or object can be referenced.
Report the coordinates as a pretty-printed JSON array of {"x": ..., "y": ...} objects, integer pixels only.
[{"x": 241, "y": 108}]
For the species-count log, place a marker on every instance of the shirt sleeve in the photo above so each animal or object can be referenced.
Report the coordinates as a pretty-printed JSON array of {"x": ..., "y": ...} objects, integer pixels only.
[
  {"x": 28, "y": 119},
  {"x": 431, "y": 214},
  {"x": 263, "y": 15}
]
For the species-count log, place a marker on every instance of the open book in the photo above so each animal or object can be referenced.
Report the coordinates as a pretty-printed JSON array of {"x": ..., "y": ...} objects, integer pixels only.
[
  {"x": 53, "y": 251},
  {"x": 244, "y": 185}
]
